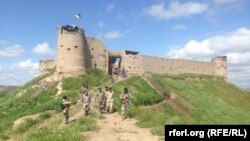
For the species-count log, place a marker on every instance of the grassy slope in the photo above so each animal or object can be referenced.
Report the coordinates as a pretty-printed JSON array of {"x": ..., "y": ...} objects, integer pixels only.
[
  {"x": 142, "y": 93},
  {"x": 72, "y": 85},
  {"x": 214, "y": 102},
  {"x": 13, "y": 107},
  {"x": 35, "y": 101}
]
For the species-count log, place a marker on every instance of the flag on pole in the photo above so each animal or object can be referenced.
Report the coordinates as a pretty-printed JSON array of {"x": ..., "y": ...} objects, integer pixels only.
[{"x": 78, "y": 16}]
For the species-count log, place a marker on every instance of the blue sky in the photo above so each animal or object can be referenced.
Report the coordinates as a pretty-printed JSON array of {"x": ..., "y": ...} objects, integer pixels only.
[{"x": 191, "y": 29}]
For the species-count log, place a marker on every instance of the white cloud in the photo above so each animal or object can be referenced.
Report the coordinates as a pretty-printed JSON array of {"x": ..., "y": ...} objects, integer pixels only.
[
  {"x": 14, "y": 77},
  {"x": 100, "y": 24},
  {"x": 179, "y": 27},
  {"x": 176, "y": 10},
  {"x": 19, "y": 73},
  {"x": 192, "y": 50},
  {"x": 114, "y": 34},
  {"x": 237, "y": 42},
  {"x": 25, "y": 65},
  {"x": 1, "y": 69},
  {"x": 110, "y": 6},
  {"x": 235, "y": 45},
  {"x": 43, "y": 49},
  {"x": 14, "y": 50},
  {"x": 239, "y": 74},
  {"x": 241, "y": 58}
]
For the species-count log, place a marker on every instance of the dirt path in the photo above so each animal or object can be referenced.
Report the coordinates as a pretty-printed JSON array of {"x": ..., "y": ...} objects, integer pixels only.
[
  {"x": 59, "y": 88},
  {"x": 112, "y": 128},
  {"x": 22, "y": 119}
]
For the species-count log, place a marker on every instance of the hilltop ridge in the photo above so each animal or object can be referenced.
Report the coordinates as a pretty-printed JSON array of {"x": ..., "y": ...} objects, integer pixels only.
[
  {"x": 164, "y": 99},
  {"x": 7, "y": 88}
]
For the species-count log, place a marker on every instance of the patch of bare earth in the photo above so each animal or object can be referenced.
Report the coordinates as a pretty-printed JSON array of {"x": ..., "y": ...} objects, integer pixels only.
[
  {"x": 59, "y": 88},
  {"x": 113, "y": 128},
  {"x": 173, "y": 99},
  {"x": 22, "y": 119},
  {"x": 180, "y": 104}
]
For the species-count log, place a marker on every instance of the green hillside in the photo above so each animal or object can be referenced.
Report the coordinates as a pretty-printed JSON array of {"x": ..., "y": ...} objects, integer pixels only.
[
  {"x": 34, "y": 100},
  {"x": 198, "y": 100},
  {"x": 213, "y": 102}
]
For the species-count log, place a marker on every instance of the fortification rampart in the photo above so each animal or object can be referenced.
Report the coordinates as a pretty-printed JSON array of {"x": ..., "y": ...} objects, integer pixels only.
[
  {"x": 176, "y": 66},
  {"x": 99, "y": 54},
  {"x": 75, "y": 53},
  {"x": 44, "y": 65},
  {"x": 133, "y": 64},
  {"x": 139, "y": 64}
]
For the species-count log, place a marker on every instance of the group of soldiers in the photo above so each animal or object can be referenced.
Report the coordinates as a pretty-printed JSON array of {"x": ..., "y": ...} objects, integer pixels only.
[{"x": 103, "y": 98}]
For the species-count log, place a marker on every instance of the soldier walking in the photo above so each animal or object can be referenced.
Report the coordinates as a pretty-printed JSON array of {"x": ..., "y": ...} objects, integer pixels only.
[
  {"x": 84, "y": 89},
  {"x": 109, "y": 103},
  {"x": 101, "y": 100},
  {"x": 106, "y": 94},
  {"x": 125, "y": 99},
  {"x": 65, "y": 106},
  {"x": 86, "y": 99}
]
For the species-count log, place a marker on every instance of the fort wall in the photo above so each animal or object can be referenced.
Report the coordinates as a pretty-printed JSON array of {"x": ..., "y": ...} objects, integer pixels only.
[
  {"x": 217, "y": 66},
  {"x": 75, "y": 53},
  {"x": 44, "y": 65},
  {"x": 98, "y": 54},
  {"x": 220, "y": 66},
  {"x": 176, "y": 66},
  {"x": 133, "y": 64}
]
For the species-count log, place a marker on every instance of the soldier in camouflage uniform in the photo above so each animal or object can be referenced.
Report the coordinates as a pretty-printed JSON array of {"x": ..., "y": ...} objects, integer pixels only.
[
  {"x": 66, "y": 104},
  {"x": 84, "y": 89},
  {"x": 106, "y": 95},
  {"x": 101, "y": 100},
  {"x": 109, "y": 103},
  {"x": 86, "y": 99},
  {"x": 125, "y": 99}
]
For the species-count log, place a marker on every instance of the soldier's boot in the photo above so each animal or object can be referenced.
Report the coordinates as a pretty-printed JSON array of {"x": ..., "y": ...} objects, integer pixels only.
[{"x": 66, "y": 120}]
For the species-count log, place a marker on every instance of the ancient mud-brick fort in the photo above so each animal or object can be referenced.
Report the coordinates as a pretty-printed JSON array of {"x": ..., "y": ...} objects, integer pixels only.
[{"x": 75, "y": 53}]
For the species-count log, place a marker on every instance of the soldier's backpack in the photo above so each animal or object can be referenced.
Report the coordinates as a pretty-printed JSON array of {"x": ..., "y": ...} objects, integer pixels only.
[{"x": 62, "y": 106}]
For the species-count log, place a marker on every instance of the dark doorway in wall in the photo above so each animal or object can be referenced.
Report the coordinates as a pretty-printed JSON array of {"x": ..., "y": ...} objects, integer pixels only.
[{"x": 114, "y": 65}]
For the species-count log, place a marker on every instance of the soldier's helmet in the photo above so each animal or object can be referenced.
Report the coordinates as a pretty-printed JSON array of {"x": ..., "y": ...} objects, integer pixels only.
[
  {"x": 65, "y": 97},
  {"x": 125, "y": 90}
]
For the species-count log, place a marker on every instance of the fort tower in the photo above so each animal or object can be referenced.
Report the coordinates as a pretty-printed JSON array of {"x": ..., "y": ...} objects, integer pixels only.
[
  {"x": 220, "y": 66},
  {"x": 72, "y": 51}
]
